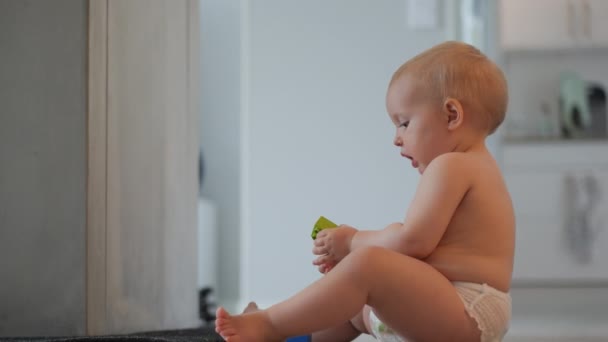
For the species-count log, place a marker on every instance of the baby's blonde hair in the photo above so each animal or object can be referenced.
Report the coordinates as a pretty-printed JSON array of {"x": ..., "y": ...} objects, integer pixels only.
[{"x": 461, "y": 71}]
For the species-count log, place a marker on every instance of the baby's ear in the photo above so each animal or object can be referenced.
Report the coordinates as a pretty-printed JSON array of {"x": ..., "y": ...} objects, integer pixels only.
[{"x": 453, "y": 111}]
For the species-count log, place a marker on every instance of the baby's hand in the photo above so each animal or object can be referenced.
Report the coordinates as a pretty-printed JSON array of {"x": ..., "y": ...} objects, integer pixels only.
[
  {"x": 332, "y": 245},
  {"x": 324, "y": 268}
]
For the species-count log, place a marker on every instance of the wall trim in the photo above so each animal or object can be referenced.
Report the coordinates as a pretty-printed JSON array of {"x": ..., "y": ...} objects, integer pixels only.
[
  {"x": 245, "y": 154},
  {"x": 96, "y": 167}
]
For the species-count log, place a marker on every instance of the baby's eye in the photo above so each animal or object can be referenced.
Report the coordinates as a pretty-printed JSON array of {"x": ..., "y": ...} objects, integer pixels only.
[{"x": 405, "y": 124}]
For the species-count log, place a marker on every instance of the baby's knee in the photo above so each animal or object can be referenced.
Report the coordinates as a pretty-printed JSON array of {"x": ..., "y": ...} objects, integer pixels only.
[{"x": 366, "y": 256}]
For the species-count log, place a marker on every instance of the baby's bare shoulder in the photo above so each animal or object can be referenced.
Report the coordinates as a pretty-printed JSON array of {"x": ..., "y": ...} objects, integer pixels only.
[
  {"x": 461, "y": 161},
  {"x": 473, "y": 169}
]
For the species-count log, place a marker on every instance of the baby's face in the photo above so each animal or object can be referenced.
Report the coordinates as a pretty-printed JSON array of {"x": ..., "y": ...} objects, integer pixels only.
[{"x": 421, "y": 127}]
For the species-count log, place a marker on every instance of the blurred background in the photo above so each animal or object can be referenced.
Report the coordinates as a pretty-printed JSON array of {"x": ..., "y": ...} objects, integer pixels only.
[{"x": 110, "y": 108}]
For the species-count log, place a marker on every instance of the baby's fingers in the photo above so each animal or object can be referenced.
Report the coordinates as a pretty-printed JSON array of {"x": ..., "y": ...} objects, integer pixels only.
[
  {"x": 319, "y": 250},
  {"x": 323, "y": 259},
  {"x": 318, "y": 241},
  {"x": 325, "y": 232},
  {"x": 324, "y": 268}
]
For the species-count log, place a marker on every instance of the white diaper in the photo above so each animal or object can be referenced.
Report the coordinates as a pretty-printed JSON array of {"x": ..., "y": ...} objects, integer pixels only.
[
  {"x": 486, "y": 305},
  {"x": 489, "y": 307},
  {"x": 381, "y": 331}
]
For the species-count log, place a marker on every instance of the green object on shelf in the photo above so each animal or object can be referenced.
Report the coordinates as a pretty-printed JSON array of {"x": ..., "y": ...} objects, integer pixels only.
[
  {"x": 574, "y": 105},
  {"x": 322, "y": 223}
]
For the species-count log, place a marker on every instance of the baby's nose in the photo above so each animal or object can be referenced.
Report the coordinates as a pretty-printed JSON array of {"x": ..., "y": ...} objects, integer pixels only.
[{"x": 397, "y": 141}]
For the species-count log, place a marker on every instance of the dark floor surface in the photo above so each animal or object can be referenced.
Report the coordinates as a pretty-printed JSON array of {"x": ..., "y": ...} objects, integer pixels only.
[{"x": 206, "y": 334}]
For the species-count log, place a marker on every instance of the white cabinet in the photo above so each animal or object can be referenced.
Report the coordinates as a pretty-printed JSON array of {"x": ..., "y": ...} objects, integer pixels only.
[
  {"x": 553, "y": 24},
  {"x": 525, "y": 24},
  {"x": 597, "y": 26},
  {"x": 43, "y": 56},
  {"x": 98, "y": 161},
  {"x": 559, "y": 194}
]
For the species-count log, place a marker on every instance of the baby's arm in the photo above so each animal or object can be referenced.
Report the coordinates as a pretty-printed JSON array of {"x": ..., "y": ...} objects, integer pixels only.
[{"x": 442, "y": 187}]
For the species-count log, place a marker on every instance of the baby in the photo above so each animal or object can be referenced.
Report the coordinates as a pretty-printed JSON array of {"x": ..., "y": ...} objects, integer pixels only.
[{"x": 443, "y": 274}]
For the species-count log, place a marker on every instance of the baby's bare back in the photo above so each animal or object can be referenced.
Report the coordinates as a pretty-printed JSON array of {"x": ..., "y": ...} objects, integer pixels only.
[{"x": 478, "y": 245}]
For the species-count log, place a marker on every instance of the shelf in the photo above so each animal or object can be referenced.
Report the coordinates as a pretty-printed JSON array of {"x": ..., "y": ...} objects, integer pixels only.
[
  {"x": 555, "y": 154},
  {"x": 555, "y": 51},
  {"x": 554, "y": 141}
]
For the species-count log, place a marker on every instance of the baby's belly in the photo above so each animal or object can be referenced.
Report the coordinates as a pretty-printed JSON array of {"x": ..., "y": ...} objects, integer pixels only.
[{"x": 476, "y": 268}]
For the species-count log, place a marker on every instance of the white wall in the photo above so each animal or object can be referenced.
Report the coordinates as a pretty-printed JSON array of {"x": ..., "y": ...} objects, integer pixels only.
[
  {"x": 313, "y": 81},
  {"x": 314, "y": 77},
  {"x": 293, "y": 110},
  {"x": 317, "y": 139},
  {"x": 220, "y": 132}
]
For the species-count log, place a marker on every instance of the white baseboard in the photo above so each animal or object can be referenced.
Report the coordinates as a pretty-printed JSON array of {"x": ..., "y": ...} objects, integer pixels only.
[
  {"x": 554, "y": 339},
  {"x": 556, "y": 330}
]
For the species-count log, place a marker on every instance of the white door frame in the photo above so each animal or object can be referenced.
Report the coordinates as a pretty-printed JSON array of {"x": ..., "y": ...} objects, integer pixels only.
[
  {"x": 96, "y": 168},
  {"x": 99, "y": 318}
]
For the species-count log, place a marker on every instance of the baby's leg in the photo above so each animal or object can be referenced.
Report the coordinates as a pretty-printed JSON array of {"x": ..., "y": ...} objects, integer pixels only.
[
  {"x": 231, "y": 330},
  {"x": 407, "y": 294},
  {"x": 346, "y": 332}
]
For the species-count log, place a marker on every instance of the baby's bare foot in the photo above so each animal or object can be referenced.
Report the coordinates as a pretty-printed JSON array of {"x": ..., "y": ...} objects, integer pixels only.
[
  {"x": 248, "y": 327},
  {"x": 251, "y": 307}
]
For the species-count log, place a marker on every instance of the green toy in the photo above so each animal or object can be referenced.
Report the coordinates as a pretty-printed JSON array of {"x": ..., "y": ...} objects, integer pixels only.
[{"x": 322, "y": 223}]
